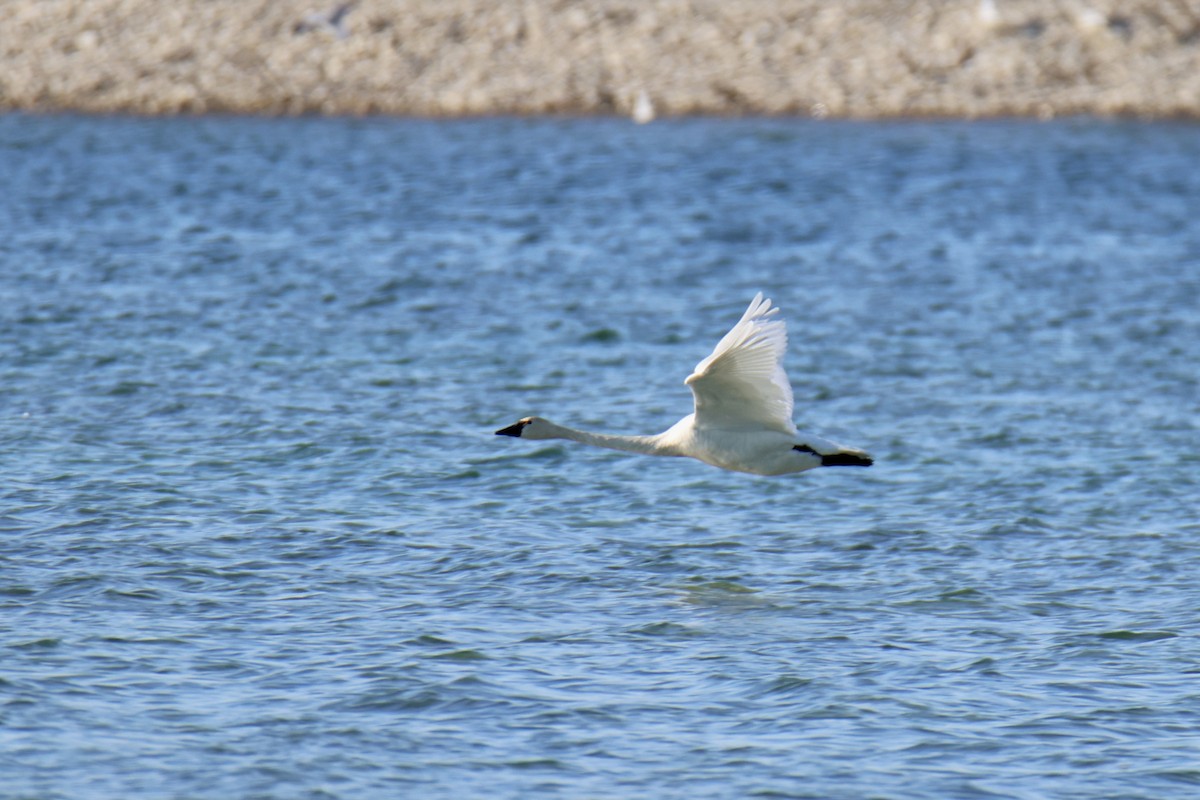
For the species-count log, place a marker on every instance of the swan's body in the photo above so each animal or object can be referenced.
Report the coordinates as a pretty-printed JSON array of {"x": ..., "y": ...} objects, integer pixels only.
[{"x": 743, "y": 415}]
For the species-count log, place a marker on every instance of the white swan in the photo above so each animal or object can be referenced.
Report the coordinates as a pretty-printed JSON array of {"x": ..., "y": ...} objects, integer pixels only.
[{"x": 743, "y": 416}]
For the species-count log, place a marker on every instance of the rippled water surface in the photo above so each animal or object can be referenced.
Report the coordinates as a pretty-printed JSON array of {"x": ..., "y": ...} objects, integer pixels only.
[{"x": 257, "y": 538}]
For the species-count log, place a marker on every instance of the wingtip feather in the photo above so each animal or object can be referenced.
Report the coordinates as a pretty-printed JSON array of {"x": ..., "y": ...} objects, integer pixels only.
[{"x": 760, "y": 308}]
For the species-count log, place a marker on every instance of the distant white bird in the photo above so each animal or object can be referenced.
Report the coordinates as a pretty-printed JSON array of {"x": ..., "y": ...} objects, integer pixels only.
[
  {"x": 988, "y": 14},
  {"x": 743, "y": 416},
  {"x": 643, "y": 108}
]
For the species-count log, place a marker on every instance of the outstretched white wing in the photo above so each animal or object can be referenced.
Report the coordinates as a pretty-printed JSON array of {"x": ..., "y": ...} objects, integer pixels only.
[{"x": 742, "y": 383}]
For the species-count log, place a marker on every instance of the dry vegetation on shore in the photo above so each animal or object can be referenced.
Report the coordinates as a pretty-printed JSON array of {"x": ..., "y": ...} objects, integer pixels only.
[{"x": 855, "y": 58}]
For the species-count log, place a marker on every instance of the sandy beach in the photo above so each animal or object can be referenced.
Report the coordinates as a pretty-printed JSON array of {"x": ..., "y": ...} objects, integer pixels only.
[{"x": 859, "y": 59}]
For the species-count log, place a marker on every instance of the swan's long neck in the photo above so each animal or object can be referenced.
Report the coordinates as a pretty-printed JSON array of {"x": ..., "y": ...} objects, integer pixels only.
[{"x": 650, "y": 445}]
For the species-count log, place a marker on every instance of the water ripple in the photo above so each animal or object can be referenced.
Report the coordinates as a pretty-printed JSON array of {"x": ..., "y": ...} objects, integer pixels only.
[{"x": 260, "y": 540}]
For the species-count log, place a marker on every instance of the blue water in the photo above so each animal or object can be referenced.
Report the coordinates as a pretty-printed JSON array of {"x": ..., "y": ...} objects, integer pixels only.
[{"x": 257, "y": 538}]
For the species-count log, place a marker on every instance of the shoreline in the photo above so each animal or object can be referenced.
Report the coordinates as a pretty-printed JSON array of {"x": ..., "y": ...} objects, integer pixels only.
[
  {"x": 581, "y": 116},
  {"x": 438, "y": 59}
]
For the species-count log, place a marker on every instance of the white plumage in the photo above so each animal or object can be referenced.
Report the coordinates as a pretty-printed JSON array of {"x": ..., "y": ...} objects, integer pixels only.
[
  {"x": 743, "y": 410},
  {"x": 741, "y": 384}
]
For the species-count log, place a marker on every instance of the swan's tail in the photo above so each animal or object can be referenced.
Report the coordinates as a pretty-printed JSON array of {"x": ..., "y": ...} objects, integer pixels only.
[
  {"x": 839, "y": 456},
  {"x": 847, "y": 458}
]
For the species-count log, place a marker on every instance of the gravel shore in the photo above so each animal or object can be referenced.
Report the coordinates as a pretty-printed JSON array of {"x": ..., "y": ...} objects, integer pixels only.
[{"x": 853, "y": 58}]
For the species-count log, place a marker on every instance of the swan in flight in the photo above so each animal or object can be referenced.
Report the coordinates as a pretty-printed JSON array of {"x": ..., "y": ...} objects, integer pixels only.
[{"x": 743, "y": 416}]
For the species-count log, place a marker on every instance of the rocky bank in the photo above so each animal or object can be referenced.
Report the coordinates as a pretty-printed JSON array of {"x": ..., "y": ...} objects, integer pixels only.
[{"x": 848, "y": 58}]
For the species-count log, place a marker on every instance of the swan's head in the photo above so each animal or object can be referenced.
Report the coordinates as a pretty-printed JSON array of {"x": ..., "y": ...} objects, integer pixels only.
[{"x": 529, "y": 428}]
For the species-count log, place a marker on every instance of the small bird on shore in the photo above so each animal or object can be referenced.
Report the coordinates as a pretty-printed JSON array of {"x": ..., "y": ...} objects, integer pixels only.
[
  {"x": 743, "y": 410},
  {"x": 334, "y": 19},
  {"x": 643, "y": 108},
  {"x": 988, "y": 14}
]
